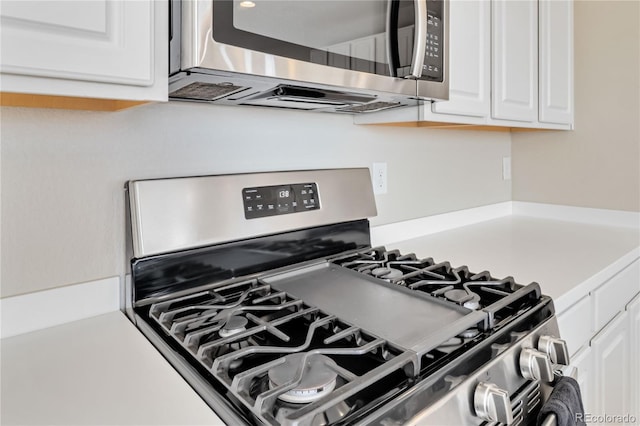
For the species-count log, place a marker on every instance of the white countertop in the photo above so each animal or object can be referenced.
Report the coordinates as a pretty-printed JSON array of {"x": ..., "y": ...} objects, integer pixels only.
[
  {"x": 102, "y": 370},
  {"x": 99, "y": 370},
  {"x": 566, "y": 258}
]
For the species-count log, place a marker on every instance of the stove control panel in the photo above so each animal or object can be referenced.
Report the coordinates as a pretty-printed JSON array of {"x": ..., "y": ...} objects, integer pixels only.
[{"x": 275, "y": 200}]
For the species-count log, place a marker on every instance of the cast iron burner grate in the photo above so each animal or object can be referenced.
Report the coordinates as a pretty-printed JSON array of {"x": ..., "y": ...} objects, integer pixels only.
[
  {"x": 456, "y": 285},
  {"x": 242, "y": 333}
]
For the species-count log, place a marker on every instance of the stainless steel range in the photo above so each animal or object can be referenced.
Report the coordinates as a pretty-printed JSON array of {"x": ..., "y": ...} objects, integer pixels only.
[{"x": 264, "y": 292}]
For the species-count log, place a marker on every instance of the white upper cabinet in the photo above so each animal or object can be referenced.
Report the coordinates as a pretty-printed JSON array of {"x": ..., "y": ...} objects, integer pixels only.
[
  {"x": 510, "y": 65},
  {"x": 114, "y": 49},
  {"x": 469, "y": 60},
  {"x": 515, "y": 60},
  {"x": 556, "y": 61}
]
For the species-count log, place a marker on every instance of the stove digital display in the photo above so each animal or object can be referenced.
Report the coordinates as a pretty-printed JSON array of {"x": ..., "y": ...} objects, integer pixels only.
[{"x": 275, "y": 200}]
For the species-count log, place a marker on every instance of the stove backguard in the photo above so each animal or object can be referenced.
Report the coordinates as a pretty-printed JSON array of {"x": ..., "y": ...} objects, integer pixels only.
[
  {"x": 173, "y": 273},
  {"x": 170, "y": 215}
]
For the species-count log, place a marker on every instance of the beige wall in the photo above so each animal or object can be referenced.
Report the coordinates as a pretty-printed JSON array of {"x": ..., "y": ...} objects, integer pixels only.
[
  {"x": 63, "y": 173},
  {"x": 598, "y": 164}
]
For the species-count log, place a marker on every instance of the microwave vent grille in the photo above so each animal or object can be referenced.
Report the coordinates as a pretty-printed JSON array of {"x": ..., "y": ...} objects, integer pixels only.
[
  {"x": 370, "y": 107},
  {"x": 206, "y": 91}
]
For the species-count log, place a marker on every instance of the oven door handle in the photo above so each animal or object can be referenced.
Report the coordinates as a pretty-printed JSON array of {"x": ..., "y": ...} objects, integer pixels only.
[
  {"x": 419, "y": 39},
  {"x": 393, "y": 55},
  {"x": 550, "y": 420}
]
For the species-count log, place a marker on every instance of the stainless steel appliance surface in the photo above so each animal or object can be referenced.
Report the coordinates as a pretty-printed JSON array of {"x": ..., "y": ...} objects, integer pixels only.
[
  {"x": 352, "y": 56},
  {"x": 264, "y": 292}
]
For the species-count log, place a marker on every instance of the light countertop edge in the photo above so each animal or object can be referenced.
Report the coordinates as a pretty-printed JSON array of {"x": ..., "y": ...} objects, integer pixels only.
[{"x": 579, "y": 291}]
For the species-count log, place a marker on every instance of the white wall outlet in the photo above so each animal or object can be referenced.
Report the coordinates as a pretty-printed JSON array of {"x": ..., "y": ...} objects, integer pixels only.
[
  {"x": 379, "y": 178},
  {"x": 506, "y": 168}
]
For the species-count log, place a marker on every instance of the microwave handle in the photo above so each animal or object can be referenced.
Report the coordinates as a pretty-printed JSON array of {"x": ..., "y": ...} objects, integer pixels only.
[
  {"x": 393, "y": 54},
  {"x": 420, "y": 39}
]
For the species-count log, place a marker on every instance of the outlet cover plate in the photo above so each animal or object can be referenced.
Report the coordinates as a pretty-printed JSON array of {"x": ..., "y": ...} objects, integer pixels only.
[{"x": 379, "y": 178}]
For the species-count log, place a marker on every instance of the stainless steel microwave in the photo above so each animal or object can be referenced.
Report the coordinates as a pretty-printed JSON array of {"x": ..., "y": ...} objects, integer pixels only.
[{"x": 348, "y": 56}]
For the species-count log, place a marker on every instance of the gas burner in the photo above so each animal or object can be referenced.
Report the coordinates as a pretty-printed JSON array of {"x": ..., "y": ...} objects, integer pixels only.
[
  {"x": 466, "y": 298},
  {"x": 441, "y": 280},
  {"x": 455, "y": 342},
  {"x": 469, "y": 333},
  {"x": 330, "y": 416},
  {"x": 234, "y": 325},
  {"x": 311, "y": 381},
  {"x": 387, "y": 273},
  {"x": 451, "y": 345}
]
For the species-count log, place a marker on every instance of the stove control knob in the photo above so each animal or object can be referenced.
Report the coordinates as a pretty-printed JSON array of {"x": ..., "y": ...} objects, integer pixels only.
[
  {"x": 492, "y": 403},
  {"x": 555, "y": 348},
  {"x": 535, "y": 365}
]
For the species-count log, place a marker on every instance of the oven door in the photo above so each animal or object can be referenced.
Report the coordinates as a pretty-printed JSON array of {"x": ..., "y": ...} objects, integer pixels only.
[{"x": 380, "y": 45}]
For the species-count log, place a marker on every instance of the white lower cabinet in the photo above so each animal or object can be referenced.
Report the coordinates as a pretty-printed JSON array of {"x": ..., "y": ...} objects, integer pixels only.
[
  {"x": 602, "y": 330},
  {"x": 583, "y": 361},
  {"x": 612, "y": 377},
  {"x": 573, "y": 328},
  {"x": 613, "y": 296},
  {"x": 633, "y": 310}
]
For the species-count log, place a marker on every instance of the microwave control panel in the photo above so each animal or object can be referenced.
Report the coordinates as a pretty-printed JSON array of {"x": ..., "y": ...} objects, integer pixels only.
[
  {"x": 432, "y": 69},
  {"x": 275, "y": 200}
]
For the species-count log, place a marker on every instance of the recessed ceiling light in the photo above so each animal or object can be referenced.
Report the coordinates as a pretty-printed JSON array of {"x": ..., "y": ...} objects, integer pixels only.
[{"x": 247, "y": 4}]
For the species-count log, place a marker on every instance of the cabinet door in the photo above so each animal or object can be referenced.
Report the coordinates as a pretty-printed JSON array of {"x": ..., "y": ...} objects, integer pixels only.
[
  {"x": 583, "y": 361},
  {"x": 634, "y": 316},
  {"x": 556, "y": 61},
  {"x": 612, "y": 368},
  {"x": 612, "y": 296},
  {"x": 49, "y": 46},
  {"x": 514, "y": 59},
  {"x": 469, "y": 59},
  {"x": 574, "y": 324}
]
